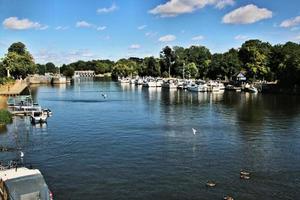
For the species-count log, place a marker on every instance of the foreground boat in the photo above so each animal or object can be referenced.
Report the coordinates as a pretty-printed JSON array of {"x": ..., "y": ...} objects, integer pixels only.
[
  {"x": 23, "y": 184},
  {"x": 38, "y": 117}
]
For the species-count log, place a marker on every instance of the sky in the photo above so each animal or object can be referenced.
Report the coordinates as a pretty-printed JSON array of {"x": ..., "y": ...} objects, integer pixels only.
[{"x": 64, "y": 31}]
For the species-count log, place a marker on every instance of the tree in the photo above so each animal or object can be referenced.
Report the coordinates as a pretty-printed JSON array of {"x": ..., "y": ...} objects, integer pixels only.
[
  {"x": 285, "y": 62},
  {"x": 18, "y": 48},
  {"x": 254, "y": 54},
  {"x": 152, "y": 66},
  {"x": 191, "y": 70},
  {"x": 232, "y": 63},
  {"x": 201, "y": 56},
  {"x": 167, "y": 57},
  {"x": 19, "y": 61},
  {"x": 50, "y": 68}
]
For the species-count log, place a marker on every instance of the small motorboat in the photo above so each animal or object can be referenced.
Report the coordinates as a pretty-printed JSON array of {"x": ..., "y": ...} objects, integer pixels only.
[
  {"x": 38, "y": 117},
  {"x": 48, "y": 111}
]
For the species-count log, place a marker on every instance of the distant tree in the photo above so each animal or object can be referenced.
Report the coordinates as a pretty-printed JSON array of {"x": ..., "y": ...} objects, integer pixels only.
[
  {"x": 19, "y": 61},
  {"x": 254, "y": 54},
  {"x": 285, "y": 63},
  {"x": 201, "y": 56},
  {"x": 191, "y": 70},
  {"x": 232, "y": 63},
  {"x": 41, "y": 69},
  {"x": 167, "y": 57},
  {"x": 18, "y": 48},
  {"x": 50, "y": 68},
  {"x": 152, "y": 66}
]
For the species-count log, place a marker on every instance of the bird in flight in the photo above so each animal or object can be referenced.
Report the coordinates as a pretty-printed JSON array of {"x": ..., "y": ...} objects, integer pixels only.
[
  {"x": 104, "y": 95},
  {"x": 194, "y": 131}
]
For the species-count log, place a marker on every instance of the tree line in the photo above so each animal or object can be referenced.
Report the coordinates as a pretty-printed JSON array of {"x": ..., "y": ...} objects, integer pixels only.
[{"x": 258, "y": 60}]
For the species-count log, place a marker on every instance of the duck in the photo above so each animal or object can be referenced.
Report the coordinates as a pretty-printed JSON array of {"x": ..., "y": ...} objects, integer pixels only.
[
  {"x": 245, "y": 173},
  {"x": 244, "y": 177},
  {"x": 211, "y": 184},
  {"x": 227, "y": 197}
]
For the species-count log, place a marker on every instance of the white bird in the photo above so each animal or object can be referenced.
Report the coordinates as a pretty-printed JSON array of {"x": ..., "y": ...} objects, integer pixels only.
[
  {"x": 21, "y": 154},
  {"x": 104, "y": 95},
  {"x": 194, "y": 131}
]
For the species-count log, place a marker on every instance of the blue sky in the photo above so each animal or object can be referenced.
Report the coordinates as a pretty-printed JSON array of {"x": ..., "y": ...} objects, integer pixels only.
[{"x": 64, "y": 31}]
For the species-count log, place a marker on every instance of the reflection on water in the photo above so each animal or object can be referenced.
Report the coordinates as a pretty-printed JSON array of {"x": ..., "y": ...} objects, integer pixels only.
[{"x": 138, "y": 143}]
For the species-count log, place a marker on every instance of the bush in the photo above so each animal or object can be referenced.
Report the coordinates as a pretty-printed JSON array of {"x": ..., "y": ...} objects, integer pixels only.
[{"x": 5, "y": 117}]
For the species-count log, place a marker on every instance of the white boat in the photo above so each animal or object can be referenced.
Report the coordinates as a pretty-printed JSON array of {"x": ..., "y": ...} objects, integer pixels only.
[
  {"x": 221, "y": 86},
  {"x": 139, "y": 81},
  {"x": 215, "y": 89},
  {"x": 59, "y": 80},
  {"x": 132, "y": 81},
  {"x": 124, "y": 80},
  {"x": 159, "y": 82},
  {"x": 170, "y": 84},
  {"x": 23, "y": 184},
  {"x": 39, "y": 117},
  {"x": 150, "y": 83},
  {"x": 47, "y": 111},
  {"x": 252, "y": 89},
  {"x": 197, "y": 88}
]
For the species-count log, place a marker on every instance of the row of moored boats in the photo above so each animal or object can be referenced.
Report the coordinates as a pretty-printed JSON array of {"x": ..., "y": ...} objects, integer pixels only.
[{"x": 186, "y": 84}]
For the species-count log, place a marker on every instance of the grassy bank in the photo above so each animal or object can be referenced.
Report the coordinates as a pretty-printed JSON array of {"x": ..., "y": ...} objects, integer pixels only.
[{"x": 5, "y": 117}]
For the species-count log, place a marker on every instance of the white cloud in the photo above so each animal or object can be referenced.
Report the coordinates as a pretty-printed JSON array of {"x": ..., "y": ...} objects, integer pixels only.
[
  {"x": 290, "y": 22},
  {"x": 101, "y": 28},
  {"x": 135, "y": 46},
  {"x": 65, "y": 57},
  {"x": 107, "y": 10},
  {"x": 151, "y": 34},
  {"x": 241, "y": 37},
  {"x": 223, "y": 3},
  {"x": 173, "y": 8},
  {"x": 22, "y": 24},
  {"x": 61, "y": 28},
  {"x": 142, "y": 27},
  {"x": 198, "y": 37},
  {"x": 167, "y": 38},
  {"x": 247, "y": 15},
  {"x": 83, "y": 24}
]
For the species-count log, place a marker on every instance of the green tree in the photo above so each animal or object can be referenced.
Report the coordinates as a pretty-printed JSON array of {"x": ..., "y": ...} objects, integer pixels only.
[
  {"x": 201, "y": 56},
  {"x": 50, "y": 68},
  {"x": 254, "y": 54},
  {"x": 152, "y": 66},
  {"x": 191, "y": 70},
  {"x": 19, "y": 61},
  {"x": 167, "y": 59}
]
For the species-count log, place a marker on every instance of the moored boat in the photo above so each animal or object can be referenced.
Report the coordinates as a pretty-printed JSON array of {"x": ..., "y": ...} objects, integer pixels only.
[
  {"x": 23, "y": 183},
  {"x": 38, "y": 117}
]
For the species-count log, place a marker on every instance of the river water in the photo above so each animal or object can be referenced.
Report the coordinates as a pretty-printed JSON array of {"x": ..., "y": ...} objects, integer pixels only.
[{"x": 138, "y": 143}]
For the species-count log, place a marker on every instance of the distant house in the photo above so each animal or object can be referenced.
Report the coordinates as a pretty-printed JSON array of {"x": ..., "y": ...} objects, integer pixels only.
[{"x": 241, "y": 77}]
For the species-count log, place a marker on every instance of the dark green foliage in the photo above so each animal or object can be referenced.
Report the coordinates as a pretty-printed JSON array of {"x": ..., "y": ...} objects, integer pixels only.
[
  {"x": 18, "y": 60},
  {"x": 5, "y": 117}
]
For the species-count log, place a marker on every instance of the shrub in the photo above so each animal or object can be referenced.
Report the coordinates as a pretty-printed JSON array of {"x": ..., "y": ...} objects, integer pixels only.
[{"x": 5, "y": 117}]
